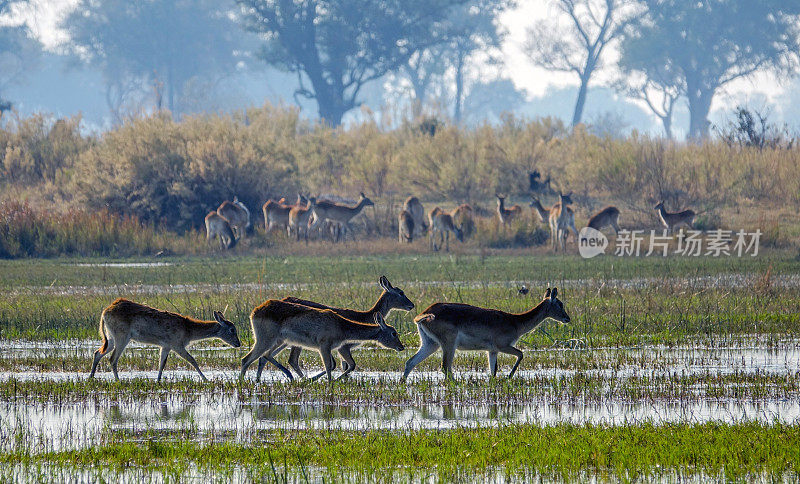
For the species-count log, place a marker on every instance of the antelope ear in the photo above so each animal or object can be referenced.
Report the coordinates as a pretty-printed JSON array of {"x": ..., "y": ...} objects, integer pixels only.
[
  {"x": 384, "y": 282},
  {"x": 554, "y": 294},
  {"x": 547, "y": 294},
  {"x": 379, "y": 320},
  {"x": 220, "y": 319}
]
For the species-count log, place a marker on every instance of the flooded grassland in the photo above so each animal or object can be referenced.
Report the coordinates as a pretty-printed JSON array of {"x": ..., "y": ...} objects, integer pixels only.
[{"x": 665, "y": 377}]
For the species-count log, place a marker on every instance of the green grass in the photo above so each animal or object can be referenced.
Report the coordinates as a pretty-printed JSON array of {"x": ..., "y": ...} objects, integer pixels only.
[
  {"x": 734, "y": 451},
  {"x": 268, "y": 269}
]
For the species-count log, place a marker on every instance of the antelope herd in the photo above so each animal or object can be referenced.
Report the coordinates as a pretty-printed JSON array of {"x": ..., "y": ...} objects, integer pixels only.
[
  {"x": 300, "y": 324},
  {"x": 321, "y": 216}
]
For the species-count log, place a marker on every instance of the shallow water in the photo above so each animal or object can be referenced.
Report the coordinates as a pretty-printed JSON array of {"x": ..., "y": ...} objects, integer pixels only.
[{"x": 125, "y": 264}]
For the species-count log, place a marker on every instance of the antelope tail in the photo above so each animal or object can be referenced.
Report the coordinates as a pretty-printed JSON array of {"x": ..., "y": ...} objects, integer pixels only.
[
  {"x": 103, "y": 334},
  {"x": 424, "y": 318}
]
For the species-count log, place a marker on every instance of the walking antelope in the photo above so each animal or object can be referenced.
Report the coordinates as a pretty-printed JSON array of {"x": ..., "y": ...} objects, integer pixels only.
[
  {"x": 405, "y": 227},
  {"x": 672, "y": 220},
  {"x": 452, "y": 326},
  {"x": 276, "y": 324},
  {"x": 561, "y": 219},
  {"x": 507, "y": 215},
  {"x": 609, "y": 216},
  {"x": 413, "y": 206},
  {"x": 338, "y": 214},
  {"x": 126, "y": 320},
  {"x": 442, "y": 223},
  {"x": 391, "y": 298},
  {"x": 218, "y": 226},
  {"x": 238, "y": 216}
]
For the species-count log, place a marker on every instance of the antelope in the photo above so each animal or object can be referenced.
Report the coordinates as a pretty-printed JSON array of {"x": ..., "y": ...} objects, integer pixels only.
[
  {"x": 391, "y": 298},
  {"x": 561, "y": 219},
  {"x": 276, "y": 214},
  {"x": 276, "y": 324},
  {"x": 462, "y": 218},
  {"x": 413, "y": 206},
  {"x": 218, "y": 226},
  {"x": 125, "y": 320},
  {"x": 442, "y": 223},
  {"x": 543, "y": 213},
  {"x": 238, "y": 216},
  {"x": 338, "y": 214},
  {"x": 672, "y": 220},
  {"x": 506, "y": 215},
  {"x": 604, "y": 218},
  {"x": 452, "y": 326},
  {"x": 405, "y": 227},
  {"x": 299, "y": 216}
]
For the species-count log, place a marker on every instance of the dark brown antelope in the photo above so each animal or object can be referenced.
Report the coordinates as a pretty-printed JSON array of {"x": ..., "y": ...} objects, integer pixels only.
[
  {"x": 391, "y": 298},
  {"x": 413, "y": 206},
  {"x": 405, "y": 227},
  {"x": 125, "y": 320},
  {"x": 276, "y": 324},
  {"x": 218, "y": 226},
  {"x": 237, "y": 215},
  {"x": 442, "y": 223},
  {"x": 609, "y": 216},
  {"x": 452, "y": 326},
  {"x": 672, "y": 220}
]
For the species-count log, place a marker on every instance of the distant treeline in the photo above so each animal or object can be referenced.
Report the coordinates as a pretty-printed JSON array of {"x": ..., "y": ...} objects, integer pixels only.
[{"x": 170, "y": 173}]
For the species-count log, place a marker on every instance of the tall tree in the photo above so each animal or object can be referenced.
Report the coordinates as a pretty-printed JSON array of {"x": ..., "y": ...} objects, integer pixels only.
[
  {"x": 706, "y": 44},
  {"x": 160, "y": 44},
  {"x": 592, "y": 25},
  {"x": 659, "y": 89},
  {"x": 18, "y": 49},
  {"x": 337, "y": 46},
  {"x": 470, "y": 30}
]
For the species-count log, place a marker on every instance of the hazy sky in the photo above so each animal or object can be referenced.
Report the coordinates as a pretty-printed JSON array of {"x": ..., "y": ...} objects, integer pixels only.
[{"x": 43, "y": 16}]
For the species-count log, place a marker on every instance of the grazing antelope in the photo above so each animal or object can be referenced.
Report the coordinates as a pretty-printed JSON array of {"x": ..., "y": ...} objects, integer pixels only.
[
  {"x": 442, "y": 223},
  {"x": 218, "y": 226},
  {"x": 672, "y": 220},
  {"x": 338, "y": 214},
  {"x": 277, "y": 324},
  {"x": 506, "y": 215},
  {"x": 561, "y": 219},
  {"x": 413, "y": 206},
  {"x": 462, "y": 218},
  {"x": 391, "y": 298},
  {"x": 237, "y": 215},
  {"x": 609, "y": 216},
  {"x": 126, "y": 320},
  {"x": 405, "y": 227},
  {"x": 452, "y": 326}
]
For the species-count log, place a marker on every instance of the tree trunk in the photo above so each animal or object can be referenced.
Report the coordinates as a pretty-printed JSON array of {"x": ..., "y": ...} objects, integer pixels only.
[
  {"x": 459, "y": 84},
  {"x": 699, "y": 106},
  {"x": 330, "y": 110},
  {"x": 666, "y": 121},
  {"x": 581, "y": 101}
]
